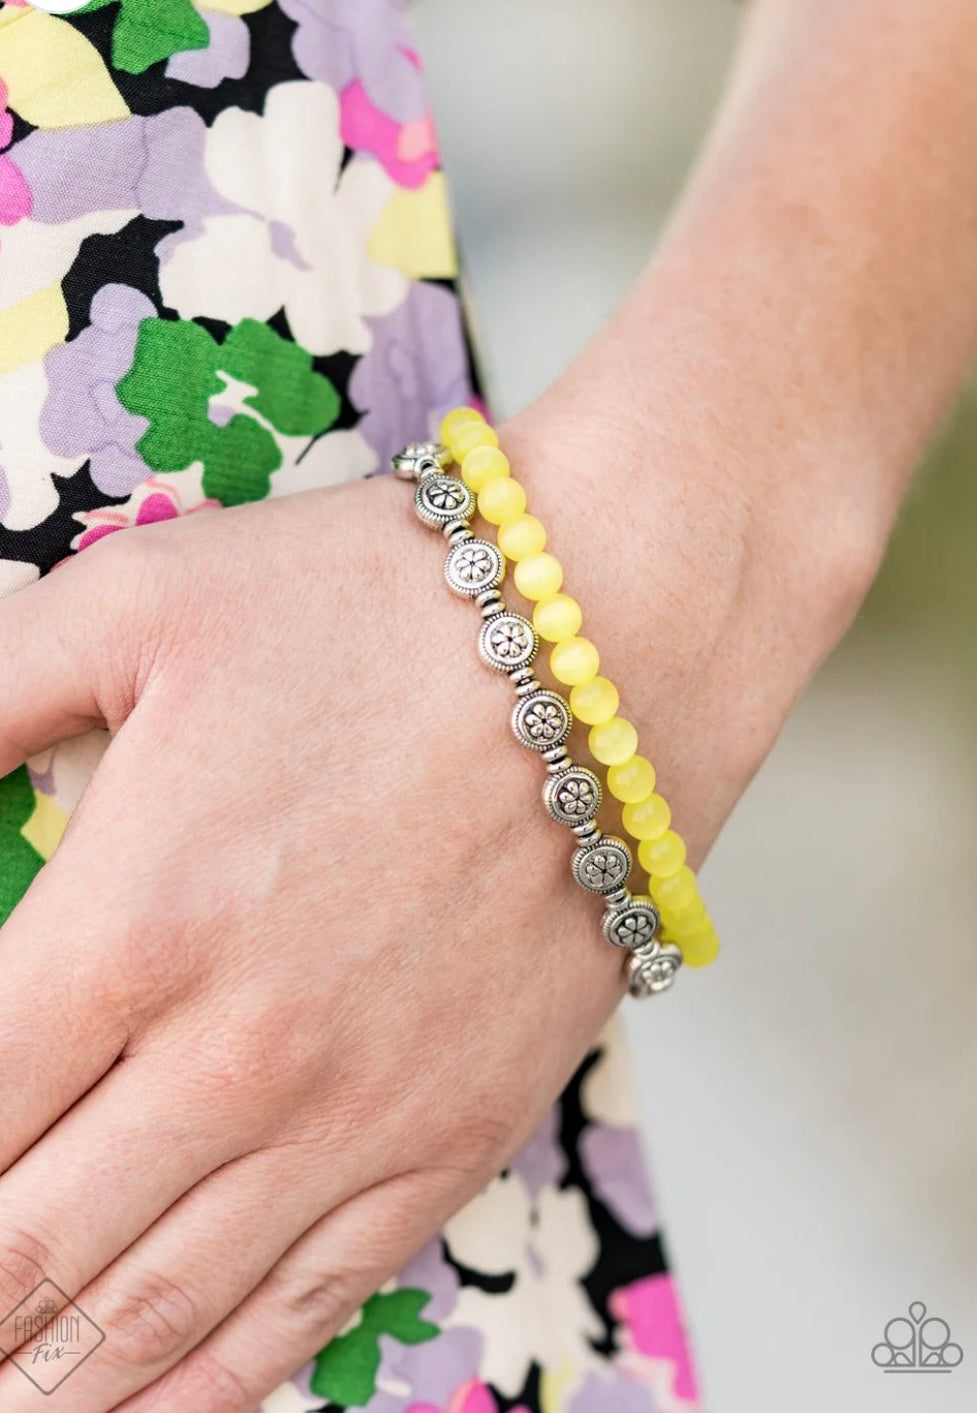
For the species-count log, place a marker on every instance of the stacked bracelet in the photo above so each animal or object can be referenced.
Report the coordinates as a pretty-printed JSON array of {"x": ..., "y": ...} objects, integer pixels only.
[{"x": 542, "y": 718}]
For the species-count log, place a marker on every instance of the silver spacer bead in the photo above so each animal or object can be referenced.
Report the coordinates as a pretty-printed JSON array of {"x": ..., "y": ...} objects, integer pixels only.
[
  {"x": 519, "y": 676},
  {"x": 615, "y": 899},
  {"x": 456, "y": 532},
  {"x": 588, "y": 832},
  {"x": 634, "y": 925},
  {"x": 526, "y": 689},
  {"x": 507, "y": 641},
  {"x": 490, "y": 602},
  {"x": 556, "y": 764},
  {"x": 653, "y": 969},
  {"x": 603, "y": 865}
]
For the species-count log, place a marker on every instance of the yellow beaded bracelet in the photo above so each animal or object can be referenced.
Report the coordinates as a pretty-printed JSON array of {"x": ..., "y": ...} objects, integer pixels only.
[{"x": 594, "y": 700}]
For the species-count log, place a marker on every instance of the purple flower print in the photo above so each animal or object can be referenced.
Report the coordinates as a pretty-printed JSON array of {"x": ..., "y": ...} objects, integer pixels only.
[
  {"x": 154, "y": 165},
  {"x": 340, "y": 41},
  {"x": 416, "y": 371},
  {"x": 614, "y": 1161},
  {"x": 542, "y": 1162},
  {"x": 82, "y": 415},
  {"x": 598, "y": 1395},
  {"x": 227, "y": 55}
]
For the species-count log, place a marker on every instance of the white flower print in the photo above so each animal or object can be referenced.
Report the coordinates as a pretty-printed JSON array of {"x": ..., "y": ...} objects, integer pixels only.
[
  {"x": 547, "y": 1246},
  {"x": 300, "y": 238}
]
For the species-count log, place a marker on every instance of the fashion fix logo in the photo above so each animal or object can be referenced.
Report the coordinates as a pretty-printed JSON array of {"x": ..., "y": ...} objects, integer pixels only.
[{"x": 47, "y": 1336}]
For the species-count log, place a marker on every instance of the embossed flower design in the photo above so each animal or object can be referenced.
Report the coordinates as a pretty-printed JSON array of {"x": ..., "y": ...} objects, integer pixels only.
[
  {"x": 634, "y": 929},
  {"x": 602, "y": 867},
  {"x": 576, "y": 798},
  {"x": 660, "y": 972},
  {"x": 474, "y": 565},
  {"x": 510, "y": 642},
  {"x": 445, "y": 495},
  {"x": 545, "y": 722}
]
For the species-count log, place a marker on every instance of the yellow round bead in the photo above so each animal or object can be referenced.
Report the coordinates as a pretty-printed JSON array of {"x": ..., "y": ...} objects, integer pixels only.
[
  {"x": 456, "y": 418},
  {"x": 700, "y": 951},
  {"x": 470, "y": 435},
  {"x": 501, "y": 501},
  {"x": 591, "y": 702},
  {"x": 679, "y": 926},
  {"x": 522, "y": 538},
  {"x": 679, "y": 890},
  {"x": 687, "y": 917},
  {"x": 574, "y": 661},
  {"x": 665, "y": 856},
  {"x": 648, "y": 819},
  {"x": 632, "y": 780},
  {"x": 483, "y": 464},
  {"x": 612, "y": 742},
  {"x": 557, "y": 618},
  {"x": 539, "y": 576}
]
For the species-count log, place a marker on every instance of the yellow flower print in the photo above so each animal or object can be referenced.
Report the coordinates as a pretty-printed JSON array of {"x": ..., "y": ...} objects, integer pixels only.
[
  {"x": 235, "y": 7},
  {"x": 55, "y": 78},
  {"x": 413, "y": 233}
]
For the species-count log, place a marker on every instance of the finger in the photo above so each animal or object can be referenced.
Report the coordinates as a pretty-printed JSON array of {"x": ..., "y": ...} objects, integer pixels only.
[
  {"x": 87, "y": 956},
  {"x": 68, "y": 655},
  {"x": 62, "y": 1026},
  {"x": 307, "y": 1298},
  {"x": 109, "y": 1168},
  {"x": 200, "y": 1261}
]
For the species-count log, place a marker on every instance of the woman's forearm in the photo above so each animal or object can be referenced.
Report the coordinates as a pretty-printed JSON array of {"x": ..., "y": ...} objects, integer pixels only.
[{"x": 728, "y": 454}]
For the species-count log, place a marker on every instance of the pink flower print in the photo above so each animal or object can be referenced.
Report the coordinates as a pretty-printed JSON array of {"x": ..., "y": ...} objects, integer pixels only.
[
  {"x": 407, "y": 151},
  {"x": 15, "y": 194},
  {"x": 650, "y": 1314},
  {"x": 155, "y": 500},
  {"x": 472, "y": 1397}
]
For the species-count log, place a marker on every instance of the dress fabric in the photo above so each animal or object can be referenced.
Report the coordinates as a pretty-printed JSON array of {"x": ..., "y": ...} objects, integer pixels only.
[{"x": 227, "y": 272}]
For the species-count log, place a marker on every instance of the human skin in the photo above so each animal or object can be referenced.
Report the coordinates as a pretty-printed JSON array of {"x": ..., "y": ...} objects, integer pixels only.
[{"x": 336, "y": 970}]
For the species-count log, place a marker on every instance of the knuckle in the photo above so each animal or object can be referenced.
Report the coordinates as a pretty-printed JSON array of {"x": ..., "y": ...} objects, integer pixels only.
[
  {"x": 152, "y": 1323},
  {"x": 25, "y": 1261},
  {"x": 315, "y": 1302},
  {"x": 203, "y": 1384},
  {"x": 211, "y": 1387},
  {"x": 480, "y": 1143}
]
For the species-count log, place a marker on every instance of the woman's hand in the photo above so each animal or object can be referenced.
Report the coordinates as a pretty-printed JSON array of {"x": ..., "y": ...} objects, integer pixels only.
[{"x": 308, "y": 966}]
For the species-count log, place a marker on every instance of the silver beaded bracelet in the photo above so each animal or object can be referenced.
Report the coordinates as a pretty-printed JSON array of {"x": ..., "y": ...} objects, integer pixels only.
[{"x": 541, "y": 718}]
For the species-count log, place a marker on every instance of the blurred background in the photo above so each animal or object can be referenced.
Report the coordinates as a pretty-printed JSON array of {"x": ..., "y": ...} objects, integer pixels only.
[{"x": 811, "y": 1102}]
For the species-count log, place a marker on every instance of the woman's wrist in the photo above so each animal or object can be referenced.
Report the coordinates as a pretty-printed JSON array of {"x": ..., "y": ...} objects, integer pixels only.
[{"x": 711, "y": 601}]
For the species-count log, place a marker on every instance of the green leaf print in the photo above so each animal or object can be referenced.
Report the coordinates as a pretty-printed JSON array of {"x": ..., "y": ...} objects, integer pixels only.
[
  {"x": 19, "y": 861},
  {"x": 149, "y": 31},
  {"x": 346, "y": 1370},
  {"x": 177, "y": 370}
]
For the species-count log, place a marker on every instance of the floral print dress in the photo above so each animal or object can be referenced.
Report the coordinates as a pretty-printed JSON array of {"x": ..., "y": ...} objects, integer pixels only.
[{"x": 227, "y": 272}]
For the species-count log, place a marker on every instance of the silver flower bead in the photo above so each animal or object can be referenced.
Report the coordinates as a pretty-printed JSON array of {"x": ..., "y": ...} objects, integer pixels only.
[
  {"x": 508, "y": 641},
  {"x": 439, "y": 500},
  {"x": 653, "y": 969},
  {"x": 474, "y": 566},
  {"x": 603, "y": 866},
  {"x": 541, "y": 720},
  {"x": 633, "y": 925}
]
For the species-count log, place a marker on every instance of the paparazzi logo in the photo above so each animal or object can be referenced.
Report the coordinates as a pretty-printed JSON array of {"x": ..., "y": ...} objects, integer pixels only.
[
  {"x": 47, "y": 1336},
  {"x": 920, "y": 1344}
]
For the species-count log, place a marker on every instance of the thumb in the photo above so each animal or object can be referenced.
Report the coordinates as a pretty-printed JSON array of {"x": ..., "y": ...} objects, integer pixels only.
[{"x": 66, "y": 651}]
